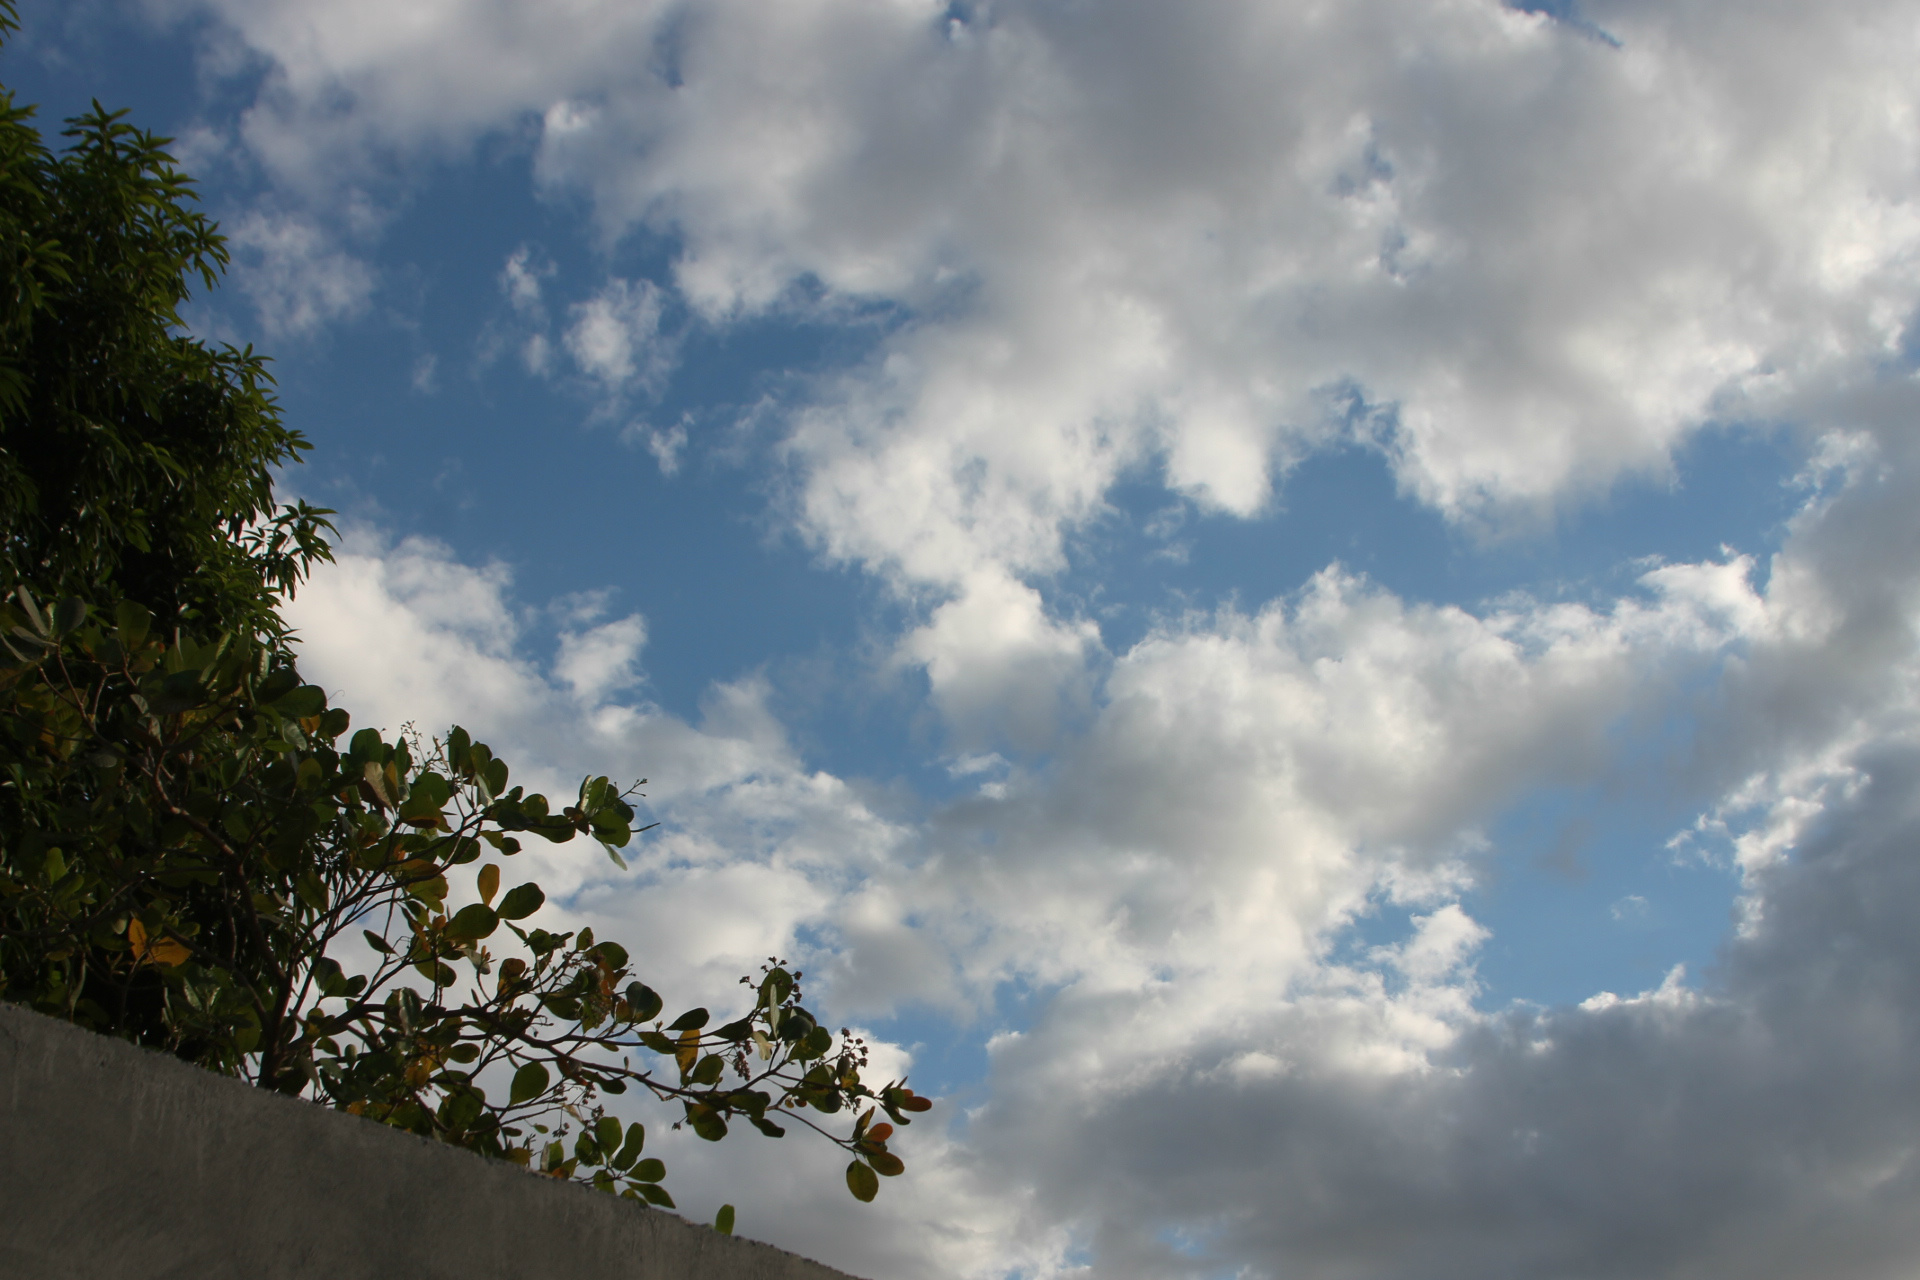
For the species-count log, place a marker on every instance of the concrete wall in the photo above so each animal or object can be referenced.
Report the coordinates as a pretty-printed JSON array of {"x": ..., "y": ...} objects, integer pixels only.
[{"x": 117, "y": 1162}]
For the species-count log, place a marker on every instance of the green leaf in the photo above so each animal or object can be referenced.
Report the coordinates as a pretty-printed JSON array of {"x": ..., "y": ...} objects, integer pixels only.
[
  {"x": 646, "y": 1003},
  {"x": 439, "y": 973},
  {"x": 488, "y": 882},
  {"x": 68, "y": 615},
  {"x": 529, "y": 1082},
  {"x": 278, "y": 684},
  {"x": 328, "y": 977},
  {"x": 691, "y": 1020},
  {"x": 181, "y": 691},
  {"x": 886, "y": 1163},
  {"x": 32, "y": 610},
  {"x": 709, "y": 1070},
  {"x": 522, "y": 901},
  {"x": 475, "y": 920},
  {"x": 723, "y": 1220},
  {"x": 376, "y": 779},
  {"x": 430, "y": 789},
  {"x": 635, "y": 1144},
  {"x": 649, "y": 1170},
  {"x": 706, "y": 1122},
  {"x": 377, "y": 942},
  {"x": 862, "y": 1181},
  {"x": 133, "y": 620},
  {"x": 307, "y": 700},
  {"x": 775, "y": 987},
  {"x": 606, "y": 1132},
  {"x": 311, "y": 891},
  {"x": 657, "y": 1194},
  {"x": 813, "y": 1044}
]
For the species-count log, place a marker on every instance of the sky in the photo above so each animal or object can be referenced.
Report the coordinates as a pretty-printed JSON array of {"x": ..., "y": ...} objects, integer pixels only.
[{"x": 1307, "y": 611}]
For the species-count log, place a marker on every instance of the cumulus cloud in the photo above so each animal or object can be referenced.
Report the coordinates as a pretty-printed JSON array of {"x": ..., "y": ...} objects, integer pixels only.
[
  {"x": 1200, "y": 243},
  {"x": 1212, "y": 1084},
  {"x": 296, "y": 278},
  {"x": 614, "y": 337},
  {"x": 1206, "y": 1079},
  {"x": 666, "y": 446},
  {"x": 1765, "y": 1127},
  {"x": 1521, "y": 260},
  {"x": 998, "y": 666},
  {"x": 601, "y": 660}
]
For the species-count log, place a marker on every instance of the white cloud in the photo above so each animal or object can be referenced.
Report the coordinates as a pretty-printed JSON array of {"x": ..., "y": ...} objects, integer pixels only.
[
  {"x": 998, "y": 666},
  {"x": 295, "y": 277},
  {"x": 614, "y": 336},
  {"x": 522, "y": 280},
  {"x": 602, "y": 660},
  {"x": 1131, "y": 237},
  {"x": 665, "y": 446}
]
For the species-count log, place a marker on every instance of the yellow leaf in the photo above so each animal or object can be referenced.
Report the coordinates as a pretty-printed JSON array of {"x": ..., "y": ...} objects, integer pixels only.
[
  {"x": 169, "y": 952},
  {"x": 162, "y": 951}
]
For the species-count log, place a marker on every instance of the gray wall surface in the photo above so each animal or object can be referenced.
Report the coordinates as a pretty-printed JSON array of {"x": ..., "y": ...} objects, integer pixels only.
[{"x": 117, "y": 1162}]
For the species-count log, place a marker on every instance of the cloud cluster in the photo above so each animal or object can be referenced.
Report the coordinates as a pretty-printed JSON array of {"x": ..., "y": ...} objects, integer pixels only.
[
  {"x": 1207, "y": 1079},
  {"x": 613, "y": 337},
  {"x": 296, "y": 278},
  {"x": 1520, "y": 259}
]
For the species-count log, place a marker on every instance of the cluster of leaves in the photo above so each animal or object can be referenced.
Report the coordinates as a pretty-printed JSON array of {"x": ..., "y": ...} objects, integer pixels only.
[
  {"x": 188, "y": 854},
  {"x": 135, "y": 461}
]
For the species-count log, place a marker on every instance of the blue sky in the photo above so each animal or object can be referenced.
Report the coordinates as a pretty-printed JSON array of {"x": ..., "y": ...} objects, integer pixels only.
[{"x": 1328, "y": 591}]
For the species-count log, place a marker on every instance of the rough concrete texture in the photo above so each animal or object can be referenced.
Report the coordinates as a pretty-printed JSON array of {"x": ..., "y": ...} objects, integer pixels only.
[{"x": 120, "y": 1162}]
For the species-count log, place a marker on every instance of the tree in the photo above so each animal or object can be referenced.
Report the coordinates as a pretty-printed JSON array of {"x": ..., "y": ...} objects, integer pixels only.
[
  {"x": 194, "y": 854},
  {"x": 133, "y": 459}
]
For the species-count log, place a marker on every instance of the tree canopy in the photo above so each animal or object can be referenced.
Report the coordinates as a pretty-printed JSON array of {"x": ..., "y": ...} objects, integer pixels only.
[{"x": 195, "y": 852}]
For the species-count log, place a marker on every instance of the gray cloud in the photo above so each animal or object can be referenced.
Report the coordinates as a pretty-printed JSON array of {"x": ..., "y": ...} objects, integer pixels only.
[{"x": 1764, "y": 1126}]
